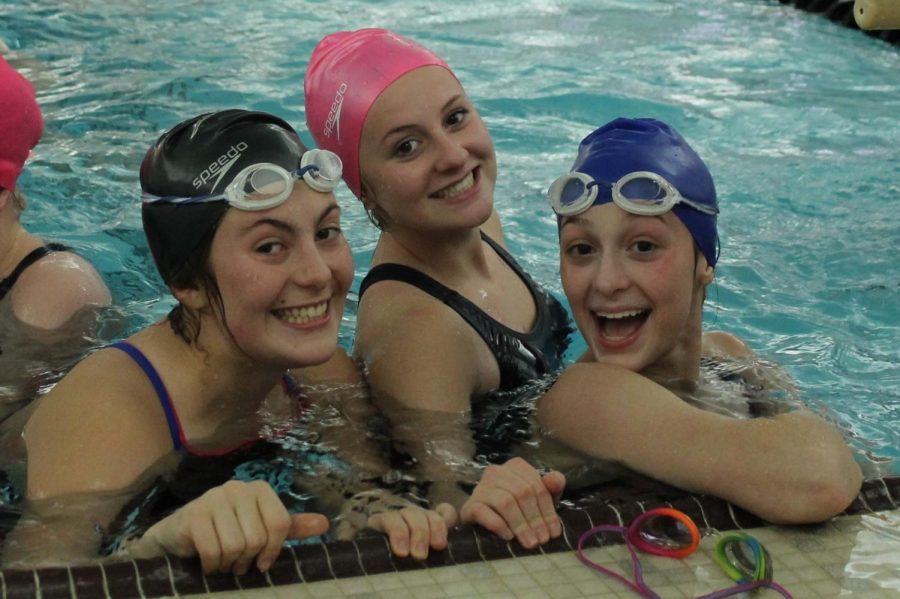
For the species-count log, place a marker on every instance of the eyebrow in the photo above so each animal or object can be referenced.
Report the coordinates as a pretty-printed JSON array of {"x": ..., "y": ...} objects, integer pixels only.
[
  {"x": 577, "y": 219},
  {"x": 402, "y": 128},
  {"x": 286, "y": 226},
  {"x": 572, "y": 220}
]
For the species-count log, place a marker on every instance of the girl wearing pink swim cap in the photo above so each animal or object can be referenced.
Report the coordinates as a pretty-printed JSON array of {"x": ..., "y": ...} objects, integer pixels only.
[
  {"x": 447, "y": 318},
  {"x": 46, "y": 291}
]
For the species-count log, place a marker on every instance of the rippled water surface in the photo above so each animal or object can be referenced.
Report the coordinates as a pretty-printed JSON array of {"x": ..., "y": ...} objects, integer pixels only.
[{"x": 798, "y": 119}]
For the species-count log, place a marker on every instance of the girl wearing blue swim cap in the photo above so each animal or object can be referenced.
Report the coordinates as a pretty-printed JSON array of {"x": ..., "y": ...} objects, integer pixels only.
[
  {"x": 638, "y": 246},
  {"x": 245, "y": 230}
]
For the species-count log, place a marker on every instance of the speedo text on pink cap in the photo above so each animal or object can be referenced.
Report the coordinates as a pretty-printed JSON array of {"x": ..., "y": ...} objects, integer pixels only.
[{"x": 347, "y": 72}]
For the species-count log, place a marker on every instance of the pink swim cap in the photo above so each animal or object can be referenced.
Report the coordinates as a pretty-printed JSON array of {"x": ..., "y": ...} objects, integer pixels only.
[
  {"x": 21, "y": 123},
  {"x": 347, "y": 72}
]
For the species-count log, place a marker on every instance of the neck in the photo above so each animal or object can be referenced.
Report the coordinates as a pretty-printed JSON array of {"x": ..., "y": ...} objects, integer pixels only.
[
  {"x": 456, "y": 253},
  {"x": 679, "y": 369},
  {"x": 15, "y": 242},
  {"x": 228, "y": 385}
]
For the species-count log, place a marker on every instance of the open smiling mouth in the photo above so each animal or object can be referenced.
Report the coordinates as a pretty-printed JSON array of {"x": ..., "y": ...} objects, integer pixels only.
[
  {"x": 457, "y": 188},
  {"x": 620, "y": 326},
  {"x": 304, "y": 315}
]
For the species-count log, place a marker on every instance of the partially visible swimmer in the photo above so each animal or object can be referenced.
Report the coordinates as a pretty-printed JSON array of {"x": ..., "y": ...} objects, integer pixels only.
[
  {"x": 245, "y": 231},
  {"x": 46, "y": 290}
]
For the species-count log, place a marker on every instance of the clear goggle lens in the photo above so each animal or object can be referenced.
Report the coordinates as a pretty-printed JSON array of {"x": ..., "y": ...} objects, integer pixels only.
[
  {"x": 743, "y": 558},
  {"x": 664, "y": 531}
]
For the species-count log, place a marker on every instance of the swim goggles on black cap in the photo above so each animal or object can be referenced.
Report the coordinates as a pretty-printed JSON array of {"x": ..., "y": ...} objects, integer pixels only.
[
  {"x": 265, "y": 185},
  {"x": 641, "y": 192}
]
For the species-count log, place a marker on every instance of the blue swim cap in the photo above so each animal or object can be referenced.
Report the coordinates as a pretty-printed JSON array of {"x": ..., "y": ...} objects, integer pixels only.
[{"x": 625, "y": 146}]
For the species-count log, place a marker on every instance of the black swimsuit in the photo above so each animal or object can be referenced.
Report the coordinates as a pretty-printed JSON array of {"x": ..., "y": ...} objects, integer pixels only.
[
  {"x": 32, "y": 257},
  {"x": 505, "y": 416},
  {"x": 521, "y": 357}
]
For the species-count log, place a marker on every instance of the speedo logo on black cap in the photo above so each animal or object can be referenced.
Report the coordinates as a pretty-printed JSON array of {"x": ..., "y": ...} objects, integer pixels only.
[{"x": 220, "y": 166}]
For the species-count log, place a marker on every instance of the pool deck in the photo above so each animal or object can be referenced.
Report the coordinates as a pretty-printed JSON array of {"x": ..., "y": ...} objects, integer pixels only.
[
  {"x": 857, "y": 553},
  {"x": 853, "y": 556}
]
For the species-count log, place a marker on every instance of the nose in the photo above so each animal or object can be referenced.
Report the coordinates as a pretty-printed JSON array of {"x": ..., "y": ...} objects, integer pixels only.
[
  {"x": 611, "y": 276},
  {"x": 451, "y": 151},
  {"x": 310, "y": 268}
]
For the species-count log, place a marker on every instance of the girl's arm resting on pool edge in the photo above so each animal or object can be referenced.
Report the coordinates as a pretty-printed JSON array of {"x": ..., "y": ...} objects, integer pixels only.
[
  {"x": 791, "y": 468},
  {"x": 424, "y": 384},
  {"x": 230, "y": 528}
]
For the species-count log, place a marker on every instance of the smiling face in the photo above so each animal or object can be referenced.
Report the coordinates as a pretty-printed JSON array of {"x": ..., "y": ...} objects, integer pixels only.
[
  {"x": 427, "y": 161},
  {"x": 283, "y": 276},
  {"x": 635, "y": 285}
]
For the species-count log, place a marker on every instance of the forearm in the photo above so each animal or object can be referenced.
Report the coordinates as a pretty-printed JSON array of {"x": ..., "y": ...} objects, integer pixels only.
[
  {"x": 792, "y": 468},
  {"x": 441, "y": 445}
]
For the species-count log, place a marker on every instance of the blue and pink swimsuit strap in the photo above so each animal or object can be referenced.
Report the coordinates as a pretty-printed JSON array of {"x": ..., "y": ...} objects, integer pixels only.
[
  {"x": 165, "y": 400},
  {"x": 289, "y": 385}
]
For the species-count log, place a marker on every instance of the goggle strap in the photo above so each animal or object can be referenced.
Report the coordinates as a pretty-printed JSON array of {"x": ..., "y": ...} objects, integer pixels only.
[{"x": 638, "y": 586}]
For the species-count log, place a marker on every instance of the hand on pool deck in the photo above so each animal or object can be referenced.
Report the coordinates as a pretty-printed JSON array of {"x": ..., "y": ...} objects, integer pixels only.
[
  {"x": 514, "y": 500},
  {"x": 414, "y": 530},
  {"x": 230, "y": 527},
  {"x": 411, "y": 529}
]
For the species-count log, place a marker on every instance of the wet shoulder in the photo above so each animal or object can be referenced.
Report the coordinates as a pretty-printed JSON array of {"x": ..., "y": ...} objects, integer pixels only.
[{"x": 56, "y": 287}]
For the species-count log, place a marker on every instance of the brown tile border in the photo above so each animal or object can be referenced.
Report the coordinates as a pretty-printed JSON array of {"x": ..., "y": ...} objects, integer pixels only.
[{"x": 167, "y": 576}]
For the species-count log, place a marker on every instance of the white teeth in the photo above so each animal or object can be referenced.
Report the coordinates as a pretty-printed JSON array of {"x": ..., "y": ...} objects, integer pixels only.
[
  {"x": 302, "y": 315},
  {"x": 617, "y": 315},
  {"x": 457, "y": 188}
]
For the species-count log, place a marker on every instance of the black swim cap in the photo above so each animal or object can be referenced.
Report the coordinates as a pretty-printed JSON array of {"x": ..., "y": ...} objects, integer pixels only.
[{"x": 200, "y": 157}]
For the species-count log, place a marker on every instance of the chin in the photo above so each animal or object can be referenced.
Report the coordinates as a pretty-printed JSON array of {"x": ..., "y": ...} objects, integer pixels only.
[
  {"x": 628, "y": 362},
  {"x": 314, "y": 356}
]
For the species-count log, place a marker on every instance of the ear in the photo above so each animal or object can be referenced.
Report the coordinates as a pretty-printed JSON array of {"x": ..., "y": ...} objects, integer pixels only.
[
  {"x": 5, "y": 197},
  {"x": 193, "y": 298},
  {"x": 705, "y": 273}
]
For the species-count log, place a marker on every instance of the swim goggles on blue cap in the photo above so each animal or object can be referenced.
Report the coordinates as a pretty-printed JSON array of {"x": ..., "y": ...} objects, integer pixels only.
[
  {"x": 641, "y": 192},
  {"x": 265, "y": 185}
]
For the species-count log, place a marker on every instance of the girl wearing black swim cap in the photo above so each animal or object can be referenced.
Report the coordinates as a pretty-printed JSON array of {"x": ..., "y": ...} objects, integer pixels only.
[{"x": 246, "y": 232}]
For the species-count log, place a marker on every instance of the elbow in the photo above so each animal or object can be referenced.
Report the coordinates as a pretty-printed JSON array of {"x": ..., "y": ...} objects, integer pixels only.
[{"x": 819, "y": 498}]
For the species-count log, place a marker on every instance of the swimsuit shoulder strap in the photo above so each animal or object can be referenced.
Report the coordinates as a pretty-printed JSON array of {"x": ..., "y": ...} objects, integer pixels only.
[
  {"x": 32, "y": 257},
  {"x": 405, "y": 274},
  {"x": 390, "y": 271},
  {"x": 165, "y": 400}
]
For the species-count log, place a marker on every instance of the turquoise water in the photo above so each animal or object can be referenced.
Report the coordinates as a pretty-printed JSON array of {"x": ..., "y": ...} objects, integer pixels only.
[{"x": 798, "y": 119}]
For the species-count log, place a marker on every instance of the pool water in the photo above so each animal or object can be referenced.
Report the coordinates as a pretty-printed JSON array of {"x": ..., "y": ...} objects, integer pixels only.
[{"x": 797, "y": 117}]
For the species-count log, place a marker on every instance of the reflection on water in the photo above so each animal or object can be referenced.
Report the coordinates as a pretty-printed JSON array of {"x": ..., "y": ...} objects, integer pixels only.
[{"x": 874, "y": 562}]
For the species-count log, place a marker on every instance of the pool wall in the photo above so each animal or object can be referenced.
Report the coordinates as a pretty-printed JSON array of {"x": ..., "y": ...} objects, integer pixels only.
[{"x": 171, "y": 576}]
